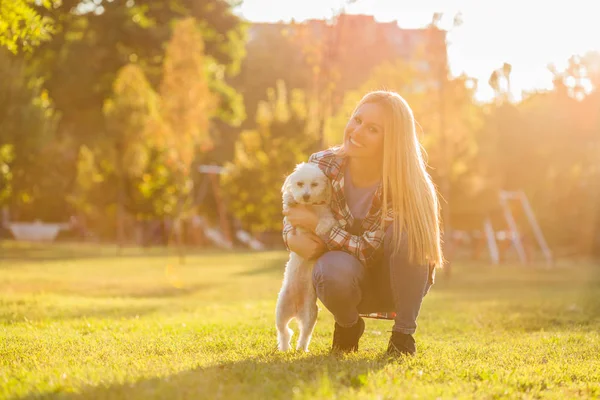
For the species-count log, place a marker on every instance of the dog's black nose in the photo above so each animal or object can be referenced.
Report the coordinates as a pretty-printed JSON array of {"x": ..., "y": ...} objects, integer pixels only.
[{"x": 306, "y": 197}]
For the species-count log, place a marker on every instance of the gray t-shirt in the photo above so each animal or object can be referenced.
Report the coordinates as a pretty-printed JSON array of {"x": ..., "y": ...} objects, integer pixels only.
[{"x": 359, "y": 199}]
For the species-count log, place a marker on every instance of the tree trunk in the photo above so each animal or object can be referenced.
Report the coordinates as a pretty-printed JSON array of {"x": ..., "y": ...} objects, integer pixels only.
[
  {"x": 178, "y": 229},
  {"x": 120, "y": 216}
]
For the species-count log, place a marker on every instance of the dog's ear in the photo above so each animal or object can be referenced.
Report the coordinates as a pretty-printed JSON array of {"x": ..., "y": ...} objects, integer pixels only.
[
  {"x": 287, "y": 198},
  {"x": 286, "y": 183}
]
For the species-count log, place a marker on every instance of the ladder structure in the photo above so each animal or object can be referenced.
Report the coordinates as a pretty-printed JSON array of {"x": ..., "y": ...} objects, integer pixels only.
[{"x": 515, "y": 237}]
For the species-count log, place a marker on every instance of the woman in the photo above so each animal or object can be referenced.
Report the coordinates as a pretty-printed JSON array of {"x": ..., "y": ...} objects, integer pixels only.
[{"x": 382, "y": 254}]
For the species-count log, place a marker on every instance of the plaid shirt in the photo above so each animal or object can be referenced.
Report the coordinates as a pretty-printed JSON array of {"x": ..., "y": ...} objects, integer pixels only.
[{"x": 364, "y": 247}]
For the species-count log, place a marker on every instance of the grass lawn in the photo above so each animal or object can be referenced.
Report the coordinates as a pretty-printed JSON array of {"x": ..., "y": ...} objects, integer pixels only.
[{"x": 78, "y": 322}]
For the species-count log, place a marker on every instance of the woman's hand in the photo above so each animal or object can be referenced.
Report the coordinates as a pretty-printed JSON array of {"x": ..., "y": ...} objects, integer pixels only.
[
  {"x": 302, "y": 216},
  {"x": 306, "y": 244}
]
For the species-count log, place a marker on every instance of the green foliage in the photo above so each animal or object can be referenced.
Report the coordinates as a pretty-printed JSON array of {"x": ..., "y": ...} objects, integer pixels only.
[
  {"x": 272, "y": 55},
  {"x": 6, "y": 176},
  {"x": 92, "y": 45},
  {"x": 74, "y": 73},
  {"x": 264, "y": 156},
  {"x": 186, "y": 102},
  {"x": 187, "y": 106},
  {"x": 87, "y": 179},
  {"x": 79, "y": 323},
  {"x": 130, "y": 115},
  {"x": 27, "y": 125},
  {"x": 21, "y": 27},
  {"x": 158, "y": 191},
  {"x": 94, "y": 40},
  {"x": 109, "y": 174}
]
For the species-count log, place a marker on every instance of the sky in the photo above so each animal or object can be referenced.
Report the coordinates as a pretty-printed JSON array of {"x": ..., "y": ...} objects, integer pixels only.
[{"x": 529, "y": 34}]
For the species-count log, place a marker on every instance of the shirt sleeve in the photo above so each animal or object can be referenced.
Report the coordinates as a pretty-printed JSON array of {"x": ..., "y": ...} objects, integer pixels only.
[
  {"x": 287, "y": 227},
  {"x": 363, "y": 247}
]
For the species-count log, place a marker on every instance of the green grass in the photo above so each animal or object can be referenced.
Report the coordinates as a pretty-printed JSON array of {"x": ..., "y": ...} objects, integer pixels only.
[{"x": 79, "y": 322}]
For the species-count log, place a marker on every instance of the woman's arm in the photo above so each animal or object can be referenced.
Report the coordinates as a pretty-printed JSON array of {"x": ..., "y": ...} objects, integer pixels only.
[
  {"x": 305, "y": 243},
  {"x": 363, "y": 247},
  {"x": 308, "y": 245},
  {"x": 287, "y": 228}
]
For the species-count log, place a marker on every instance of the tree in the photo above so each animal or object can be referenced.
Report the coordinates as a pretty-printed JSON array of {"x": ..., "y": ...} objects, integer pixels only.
[
  {"x": 93, "y": 40},
  {"x": 270, "y": 51},
  {"x": 187, "y": 107},
  {"x": 130, "y": 114},
  {"x": 499, "y": 81},
  {"x": 6, "y": 156},
  {"x": 21, "y": 27},
  {"x": 30, "y": 148},
  {"x": 264, "y": 156}
]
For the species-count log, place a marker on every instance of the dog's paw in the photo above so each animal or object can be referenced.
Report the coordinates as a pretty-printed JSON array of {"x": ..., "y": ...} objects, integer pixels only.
[
  {"x": 302, "y": 348},
  {"x": 288, "y": 199},
  {"x": 324, "y": 226},
  {"x": 283, "y": 346}
]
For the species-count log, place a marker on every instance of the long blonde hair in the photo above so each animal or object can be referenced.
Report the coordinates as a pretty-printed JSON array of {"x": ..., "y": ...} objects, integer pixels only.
[{"x": 414, "y": 201}]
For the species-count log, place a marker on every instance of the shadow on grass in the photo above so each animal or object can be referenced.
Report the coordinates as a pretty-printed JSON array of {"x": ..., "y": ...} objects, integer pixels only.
[
  {"x": 271, "y": 267},
  {"x": 278, "y": 378},
  {"x": 17, "y": 252},
  {"x": 30, "y": 309},
  {"x": 158, "y": 292},
  {"x": 15, "y": 316},
  {"x": 101, "y": 290},
  {"x": 27, "y": 252}
]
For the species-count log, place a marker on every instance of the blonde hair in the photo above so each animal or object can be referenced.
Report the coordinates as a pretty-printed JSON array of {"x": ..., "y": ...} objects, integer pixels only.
[{"x": 414, "y": 202}]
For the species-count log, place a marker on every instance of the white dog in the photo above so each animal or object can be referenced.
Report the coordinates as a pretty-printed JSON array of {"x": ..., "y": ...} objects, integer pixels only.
[{"x": 297, "y": 298}]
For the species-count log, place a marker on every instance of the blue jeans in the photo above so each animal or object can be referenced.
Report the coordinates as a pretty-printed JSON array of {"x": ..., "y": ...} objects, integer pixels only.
[{"x": 346, "y": 288}]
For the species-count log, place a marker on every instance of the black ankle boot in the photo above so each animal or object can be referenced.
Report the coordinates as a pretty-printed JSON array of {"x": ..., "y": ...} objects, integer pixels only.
[
  {"x": 401, "y": 343},
  {"x": 346, "y": 340}
]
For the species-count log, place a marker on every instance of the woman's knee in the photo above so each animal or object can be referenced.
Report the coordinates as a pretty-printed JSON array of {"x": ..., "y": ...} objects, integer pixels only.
[{"x": 337, "y": 267}]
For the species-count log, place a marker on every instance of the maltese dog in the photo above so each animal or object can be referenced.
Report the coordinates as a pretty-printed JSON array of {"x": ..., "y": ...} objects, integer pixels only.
[{"x": 297, "y": 298}]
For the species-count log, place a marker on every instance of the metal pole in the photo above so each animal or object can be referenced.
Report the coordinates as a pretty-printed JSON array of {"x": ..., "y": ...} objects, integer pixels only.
[
  {"x": 536, "y": 228},
  {"x": 516, "y": 239}
]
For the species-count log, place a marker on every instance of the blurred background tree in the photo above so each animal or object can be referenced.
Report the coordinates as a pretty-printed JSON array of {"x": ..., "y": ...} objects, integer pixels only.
[
  {"x": 187, "y": 105},
  {"x": 94, "y": 40},
  {"x": 265, "y": 155},
  {"x": 22, "y": 27},
  {"x": 127, "y": 142},
  {"x": 31, "y": 151}
]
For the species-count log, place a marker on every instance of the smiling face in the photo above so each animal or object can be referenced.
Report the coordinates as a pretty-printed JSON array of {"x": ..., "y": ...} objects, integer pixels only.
[
  {"x": 363, "y": 136},
  {"x": 308, "y": 185}
]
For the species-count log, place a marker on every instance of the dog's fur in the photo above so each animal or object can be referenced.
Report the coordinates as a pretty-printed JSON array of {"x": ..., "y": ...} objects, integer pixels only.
[{"x": 297, "y": 297}]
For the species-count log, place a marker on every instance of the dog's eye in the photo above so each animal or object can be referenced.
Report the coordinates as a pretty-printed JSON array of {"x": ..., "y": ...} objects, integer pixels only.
[
  {"x": 314, "y": 184},
  {"x": 300, "y": 184}
]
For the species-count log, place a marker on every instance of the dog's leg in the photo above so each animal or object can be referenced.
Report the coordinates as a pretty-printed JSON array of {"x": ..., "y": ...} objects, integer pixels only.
[
  {"x": 284, "y": 313},
  {"x": 307, "y": 319}
]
